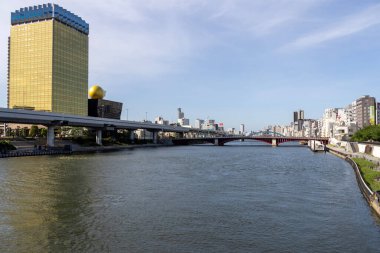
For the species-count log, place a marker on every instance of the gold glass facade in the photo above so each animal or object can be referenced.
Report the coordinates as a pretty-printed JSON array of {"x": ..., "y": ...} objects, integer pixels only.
[{"x": 48, "y": 68}]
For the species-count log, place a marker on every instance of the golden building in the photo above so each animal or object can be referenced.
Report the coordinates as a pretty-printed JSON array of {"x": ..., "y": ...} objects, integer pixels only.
[{"x": 48, "y": 60}]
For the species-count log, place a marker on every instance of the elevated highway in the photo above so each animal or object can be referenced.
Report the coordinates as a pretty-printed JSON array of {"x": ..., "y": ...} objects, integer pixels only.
[{"x": 52, "y": 120}]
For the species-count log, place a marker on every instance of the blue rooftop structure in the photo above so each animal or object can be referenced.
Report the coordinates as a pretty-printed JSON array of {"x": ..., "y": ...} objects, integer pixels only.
[{"x": 49, "y": 11}]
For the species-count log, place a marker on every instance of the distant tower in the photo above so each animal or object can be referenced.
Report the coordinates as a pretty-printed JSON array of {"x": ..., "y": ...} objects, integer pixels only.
[
  {"x": 301, "y": 115},
  {"x": 301, "y": 118},
  {"x": 242, "y": 128},
  {"x": 180, "y": 113},
  {"x": 295, "y": 116}
]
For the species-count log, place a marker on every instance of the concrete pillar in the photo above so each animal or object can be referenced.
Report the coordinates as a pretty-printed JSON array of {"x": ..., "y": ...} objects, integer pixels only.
[
  {"x": 132, "y": 136},
  {"x": 99, "y": 136},
  {"x": 274, "y": 143},
  {"x": 155, "y": 137},
  {"x": 218, "y": 142},
  {"x": 50, "y": 136}
]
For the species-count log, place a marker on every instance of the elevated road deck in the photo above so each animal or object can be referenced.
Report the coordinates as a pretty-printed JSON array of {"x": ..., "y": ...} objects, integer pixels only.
[{"x": 52, "y": 120}]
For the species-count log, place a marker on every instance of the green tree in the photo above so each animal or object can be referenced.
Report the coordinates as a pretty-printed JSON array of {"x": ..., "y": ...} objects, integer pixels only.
[
  {"x": 33, "y": 131},
  {"x": 43, "y": 132},
  {"x": 368, "y": 133}
]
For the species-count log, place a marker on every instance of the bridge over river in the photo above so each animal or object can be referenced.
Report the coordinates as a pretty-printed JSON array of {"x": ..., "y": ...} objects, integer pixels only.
[{"x": 273, "y": 140}]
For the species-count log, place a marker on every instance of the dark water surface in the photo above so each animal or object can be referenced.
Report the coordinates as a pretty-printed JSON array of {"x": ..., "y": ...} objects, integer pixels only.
[{"x": 185, "y": 199}]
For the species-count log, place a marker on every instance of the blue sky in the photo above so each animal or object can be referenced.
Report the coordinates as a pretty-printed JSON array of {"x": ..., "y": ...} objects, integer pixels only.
[{"x": 236, "y": 61}]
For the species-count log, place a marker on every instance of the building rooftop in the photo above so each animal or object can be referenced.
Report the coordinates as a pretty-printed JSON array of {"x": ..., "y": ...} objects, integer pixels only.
[{"x": 49, "y": 11}]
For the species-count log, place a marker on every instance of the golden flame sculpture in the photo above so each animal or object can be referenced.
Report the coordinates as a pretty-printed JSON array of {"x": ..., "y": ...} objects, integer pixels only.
[{"x": 96, "y": 92}]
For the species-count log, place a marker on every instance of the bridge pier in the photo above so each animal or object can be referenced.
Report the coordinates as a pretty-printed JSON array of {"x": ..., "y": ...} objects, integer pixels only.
[
  {"x": 217, "y": 142},
  {"x": 132, "y": 136},
  {"x": 99, "y": 137},
  {"x": 274, "y": 143},
  {"x": 155, "y": 137},
  {"x": 50, "y": 136}
]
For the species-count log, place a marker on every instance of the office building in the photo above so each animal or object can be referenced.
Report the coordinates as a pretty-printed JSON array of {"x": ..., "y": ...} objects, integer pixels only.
[
  {"x": 365, "y": 111},
  {"x": 242, "y": 129},
  {"x": 161, "y": 121},
  {"x": 198, "y": 123},
  {"x": 378, "y": 113},
  {"x": 209, "y": 124},
  {"x": 298, "y": 118},
  {"x": 104, "y": 108},
  {"x": 184, "y": 122},
  {"x": 295, "y": 116},
  {"x": 48, "y": 60},
  {"x": 301, "y": 115},
  {"x": 180, "y": 113},
  {"x": 221, "y": 127}
]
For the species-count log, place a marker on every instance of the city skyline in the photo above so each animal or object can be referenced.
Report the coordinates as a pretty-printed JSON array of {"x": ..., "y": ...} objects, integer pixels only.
[{"x": 240, "y": 62}]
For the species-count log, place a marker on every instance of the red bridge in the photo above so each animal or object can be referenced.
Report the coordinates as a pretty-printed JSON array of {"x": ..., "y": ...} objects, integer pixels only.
[{"x": 273, "y": 140}]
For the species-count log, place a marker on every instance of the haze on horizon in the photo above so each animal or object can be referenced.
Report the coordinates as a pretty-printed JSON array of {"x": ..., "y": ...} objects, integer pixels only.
[{"x": 235, "y": 61}]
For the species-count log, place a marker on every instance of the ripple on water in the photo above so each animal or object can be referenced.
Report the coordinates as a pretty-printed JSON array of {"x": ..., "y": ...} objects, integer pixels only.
[{"x": 185, "y": 199}]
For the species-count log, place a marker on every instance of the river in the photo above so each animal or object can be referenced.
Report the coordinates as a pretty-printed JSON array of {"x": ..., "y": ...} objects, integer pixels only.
[{"x": 242, "y": 197}]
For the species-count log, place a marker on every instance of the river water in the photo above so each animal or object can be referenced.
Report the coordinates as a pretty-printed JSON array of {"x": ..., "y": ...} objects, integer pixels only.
[{"x": 241, "y": 197}]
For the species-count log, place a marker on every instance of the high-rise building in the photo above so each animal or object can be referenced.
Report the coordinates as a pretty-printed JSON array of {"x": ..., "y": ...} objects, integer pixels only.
[
  {"x": 378, "y": 113},
  {"x": 295, "y": 116},
  {"x": 180, "y": 113},
  {"x": 328, "y": 121},
  {"x": 365, "y": 111},
  {"x": 298, "y": 118},
  {"x": 48, "y": 60},
  {"x": 198, "y": 123},
  {"x": 301, "y": 115},
  {"x": 242, "y": 128}
]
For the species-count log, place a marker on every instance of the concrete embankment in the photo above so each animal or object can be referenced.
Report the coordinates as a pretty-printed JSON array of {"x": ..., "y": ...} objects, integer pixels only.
[
  {"x": 75, "y": 149},
  {"x": 35, "y": 153},
  {"x": 371, "y": 197}
]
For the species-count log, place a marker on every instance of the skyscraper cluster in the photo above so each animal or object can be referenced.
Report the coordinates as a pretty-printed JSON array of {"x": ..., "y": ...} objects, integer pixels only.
[{"x": 339, "y": 123}]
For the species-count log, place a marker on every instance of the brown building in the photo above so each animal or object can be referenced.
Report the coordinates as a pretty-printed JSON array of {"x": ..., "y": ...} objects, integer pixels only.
[{"x": 365, "y": 111}]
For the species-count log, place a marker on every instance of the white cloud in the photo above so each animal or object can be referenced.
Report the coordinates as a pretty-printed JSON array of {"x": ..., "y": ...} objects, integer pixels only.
[
  {"x": 350, "y": 25},
  {"x": 261, "y": 17},
  {"x": 150, "y": 37}
]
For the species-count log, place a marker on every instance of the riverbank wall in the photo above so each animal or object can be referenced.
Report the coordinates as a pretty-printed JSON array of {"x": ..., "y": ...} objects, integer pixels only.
[
  {"x": 371, "y": 197},
  {"x": 367, "y": 148},
  {"x": 76, "y": 149}
]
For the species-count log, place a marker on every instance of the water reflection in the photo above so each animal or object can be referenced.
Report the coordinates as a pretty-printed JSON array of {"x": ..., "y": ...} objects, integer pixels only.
[
  {"x": 185, "y": 199},
  {"x": 41, "y": 201}
]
